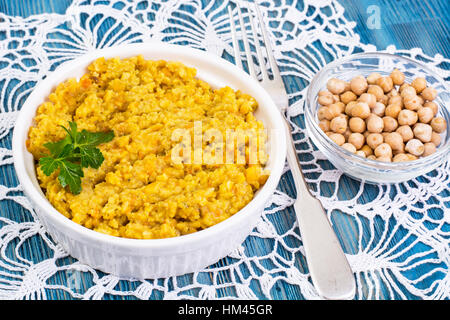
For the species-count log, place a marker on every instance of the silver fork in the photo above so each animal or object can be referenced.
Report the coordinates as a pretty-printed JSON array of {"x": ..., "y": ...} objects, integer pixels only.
[{"x": 328, "y": 266}]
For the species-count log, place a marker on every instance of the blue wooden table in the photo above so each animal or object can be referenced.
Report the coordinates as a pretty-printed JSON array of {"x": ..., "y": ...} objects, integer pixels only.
[{"x": 406, "y": 24}]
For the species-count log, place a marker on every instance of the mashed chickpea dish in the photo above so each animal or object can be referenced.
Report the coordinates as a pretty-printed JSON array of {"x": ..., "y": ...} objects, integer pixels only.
[{"x": 143, "y": 149}]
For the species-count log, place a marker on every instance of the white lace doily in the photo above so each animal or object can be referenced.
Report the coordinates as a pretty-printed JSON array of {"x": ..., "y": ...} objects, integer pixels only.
[{"x": 400, "y": 232}]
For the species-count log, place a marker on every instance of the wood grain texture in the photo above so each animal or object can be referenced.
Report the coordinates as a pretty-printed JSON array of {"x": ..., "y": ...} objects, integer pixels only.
[{"x": 406, "y": 24}]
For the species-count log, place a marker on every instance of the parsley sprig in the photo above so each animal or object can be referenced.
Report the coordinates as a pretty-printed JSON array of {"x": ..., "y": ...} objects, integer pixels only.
[{"x": 76, "y": 151}]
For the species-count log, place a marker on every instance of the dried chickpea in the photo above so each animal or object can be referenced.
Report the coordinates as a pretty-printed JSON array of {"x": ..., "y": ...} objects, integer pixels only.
[
  {"x": 421, "y": 100},
  {"x": 324, "y": 125},
  {"x": 335, "y": 109},
  {"x": 367, "y": 150},
  {"x": 358, "y": 85},
  {"x": 375, "y": 124},
  {"x": 347, "y": 86},
  {"x": 373, "y": 77},
  {"x": 357, "y": 125},
  {"x": 336, "y": 86},
  {"x": 393, "y": 93},
  {"x": 372, "y": 157},
  {"x": 348, "y": 107},
  {"x": 407, "y": 117},
  {"x": 425, "y": 114},
  {"x": 373, "y": 140},
  {"x": 436, "y": 138},
  {"x": 403, "y": 86},
  {"x": 337, "y": 138},
  {"x": 325, "y": 98},
  {"x": 368, "y": 98},
  {"x": 383, "y": 150},
  {"x": 438, "y": 124},
  {"x": 385, "y": 83},
  {"x": 411, "y": 156},
  {"x": 356, "y": 139},
  {"x": 415, "y": 147},
  {"x": 338, "y": 124},
  {"x": 384, "y": 100},
  {"x": 324, "y": 93},
  {"x": 349, "y": 147},
  {"x": 336, "y": 98},
  {"x": 376, "y": 91},
  {"x": 433, "y": 106},
  {"x": 395, "y": 141},
  {"x": 419, "y": 84},
  {"x": 407, "y": 91},
  {"x": 397, "y": 77},
  {"x": 401, "y": 157},
  {"x": 392, "y": 110},
  {"x": 379, "y": 109},
  {"x": 406, "y": 132},
  {"x": 347, "y": 133},
  {"x": 412, "y": 102},
  {"x": 361, "y": 110},
  {"x": 396, "y": 100},
  {"x": 360, "y": 153},
  {"x": 324, "y": 113},
  {"x": 428, "y": 148},
  {"x": 390, "y": 124},
  {"x": 341, "y": 106},
  {"x": 348, "y": 96}
]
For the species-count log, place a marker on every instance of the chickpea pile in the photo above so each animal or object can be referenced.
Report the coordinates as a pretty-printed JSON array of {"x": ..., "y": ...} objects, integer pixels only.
[{"x": 382, "y": 117}]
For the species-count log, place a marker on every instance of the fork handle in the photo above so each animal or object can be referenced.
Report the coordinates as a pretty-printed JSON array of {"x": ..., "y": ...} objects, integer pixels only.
[{"x": 330, "y": 272}]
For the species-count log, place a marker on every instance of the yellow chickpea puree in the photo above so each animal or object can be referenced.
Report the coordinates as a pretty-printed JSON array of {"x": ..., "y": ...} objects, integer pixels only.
[
  {"x": 382, "y": 118},
  {"x": 138, "y": 191}
]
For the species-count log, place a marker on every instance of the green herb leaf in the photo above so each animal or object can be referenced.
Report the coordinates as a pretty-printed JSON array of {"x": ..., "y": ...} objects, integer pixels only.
[
  {"x": 70, "y": 174},
  {"x": 71, "y": 131},
  {"x": 91, "y": 157},
  {"x": 92, "y": 139},
  {"x": 48, "y": 165},
  {"x": 57, "y": 147},
  {"x": 73, "y": 153}
]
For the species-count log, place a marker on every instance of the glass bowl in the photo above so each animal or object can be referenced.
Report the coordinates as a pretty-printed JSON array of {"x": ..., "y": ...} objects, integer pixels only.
[{"x": 360, "y": 168}]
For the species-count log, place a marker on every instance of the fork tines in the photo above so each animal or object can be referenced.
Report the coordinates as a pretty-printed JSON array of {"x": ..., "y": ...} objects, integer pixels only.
[{"x": 266, "y": 49}]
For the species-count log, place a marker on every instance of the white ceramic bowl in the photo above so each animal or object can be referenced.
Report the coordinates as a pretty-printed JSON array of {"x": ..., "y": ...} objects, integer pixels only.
[{"x": 159, "y": 257}]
